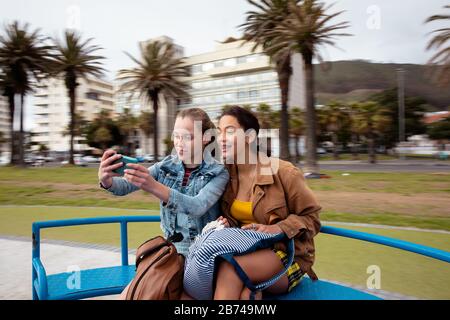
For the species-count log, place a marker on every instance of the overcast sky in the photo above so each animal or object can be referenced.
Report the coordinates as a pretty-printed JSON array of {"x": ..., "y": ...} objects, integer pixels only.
[{"x": 384, "y": 30}]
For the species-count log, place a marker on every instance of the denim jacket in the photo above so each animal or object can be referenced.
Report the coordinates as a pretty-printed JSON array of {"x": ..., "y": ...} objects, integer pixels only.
[{"x": 190, "y": 207}]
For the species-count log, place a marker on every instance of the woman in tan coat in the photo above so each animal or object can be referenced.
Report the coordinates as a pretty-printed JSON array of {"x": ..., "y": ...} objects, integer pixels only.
[{"x": 268, "y": 195}]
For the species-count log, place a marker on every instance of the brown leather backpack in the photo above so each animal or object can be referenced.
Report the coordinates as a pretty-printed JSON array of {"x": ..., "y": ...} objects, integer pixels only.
[{"x": 159, "y": 272}]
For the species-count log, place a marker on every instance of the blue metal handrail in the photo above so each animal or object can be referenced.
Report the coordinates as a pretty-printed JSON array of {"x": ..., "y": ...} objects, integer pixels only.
[
  {"x": 38, "y": 271},
  {"x": 390, "y": 242}
]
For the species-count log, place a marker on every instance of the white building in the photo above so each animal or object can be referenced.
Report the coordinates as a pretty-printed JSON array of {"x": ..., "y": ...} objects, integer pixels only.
[
  {"x": 4, "y": 124},
  {"x": 52, "y": 114},
  {"x": 234, "y": 75}
]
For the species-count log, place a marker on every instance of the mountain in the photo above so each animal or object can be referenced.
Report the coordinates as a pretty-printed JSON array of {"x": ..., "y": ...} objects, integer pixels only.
[{"x": 358, "y": 79}]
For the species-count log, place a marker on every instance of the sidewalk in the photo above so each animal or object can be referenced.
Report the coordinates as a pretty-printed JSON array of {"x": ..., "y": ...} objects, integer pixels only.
[
  {"x": 395, "y": 162},
  {"x": 57, "y": 256}
]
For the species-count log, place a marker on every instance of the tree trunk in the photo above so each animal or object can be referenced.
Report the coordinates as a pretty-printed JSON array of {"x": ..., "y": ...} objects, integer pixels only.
[
  {"x": 335, "y": 145},
  {"x": 72, "y": 98},
  {"x": 21, "y": 133},
  {"x": 154, "y": 97},
  {"x": 371, "y": 146},
  {"x": 284, "y": 71},
  {"x": 297, "y": 149},
  {"x": 12, "y": 109},
  {"x": 310, "y": 117},
  {"x": 354, "y": 147}
]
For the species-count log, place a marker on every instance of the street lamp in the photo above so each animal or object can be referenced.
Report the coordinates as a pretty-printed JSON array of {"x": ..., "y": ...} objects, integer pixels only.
[{"x": 401, "y": 106}]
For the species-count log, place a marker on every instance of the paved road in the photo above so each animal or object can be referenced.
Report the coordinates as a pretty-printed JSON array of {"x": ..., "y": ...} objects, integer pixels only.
[
  {"x": 359, "y": 166},
  {"x": 387, "y": 166}
]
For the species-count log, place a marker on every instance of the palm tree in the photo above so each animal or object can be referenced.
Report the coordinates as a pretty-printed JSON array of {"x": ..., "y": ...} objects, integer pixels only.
[
  {"x": 265, "y": 116},
  {"x": 441, "y": 42},
  {"x": 145, "y": 123},
  {"x": 259, "y": 28},
  {"x": 371, "y": 120},
  {"x": 334, "y": 116},
  {"x": 268, "y": 119},
  {"x": 102, "y": 136},
  {"x": 296, "y": 129},
  {"x": 74, "y": 60},
  {"x": 25, "y": 58},
  {"x": 158, "y": 73},
  {"x": 43, "y": 149},
  {"x": 304, "y": 31},
  {"x": 103, "y": 132},
  {"x": 354, "y": 128}
]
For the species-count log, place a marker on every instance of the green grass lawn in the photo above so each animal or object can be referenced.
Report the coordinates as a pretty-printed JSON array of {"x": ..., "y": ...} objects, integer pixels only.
[
  {"x": 402, "y": 183},
  {"x": 73, "y": 175},
  {"x": 79, "y": 187},
  {"x": 338, "y": 259}
]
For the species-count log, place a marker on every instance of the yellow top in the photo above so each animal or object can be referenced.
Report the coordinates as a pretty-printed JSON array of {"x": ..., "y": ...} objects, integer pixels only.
[{"x": 242, "y": 211}]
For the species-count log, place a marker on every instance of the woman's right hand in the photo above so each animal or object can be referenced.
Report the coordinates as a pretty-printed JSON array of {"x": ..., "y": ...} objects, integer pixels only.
[
  {"x": 224, "y": 221},
  {"x": 105, "y": 171}
]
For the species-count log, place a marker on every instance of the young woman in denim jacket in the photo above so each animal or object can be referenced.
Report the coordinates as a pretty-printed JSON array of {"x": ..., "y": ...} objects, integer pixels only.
[{"x": 189, "y": 184}]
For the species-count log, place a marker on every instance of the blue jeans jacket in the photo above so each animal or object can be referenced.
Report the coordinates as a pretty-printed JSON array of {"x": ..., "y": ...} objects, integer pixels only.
[{"x": 190, "y": 207}]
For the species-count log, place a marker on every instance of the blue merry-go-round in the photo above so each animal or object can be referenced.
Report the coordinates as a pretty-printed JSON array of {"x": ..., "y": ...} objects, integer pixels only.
[{"x": 112, "y": 280}]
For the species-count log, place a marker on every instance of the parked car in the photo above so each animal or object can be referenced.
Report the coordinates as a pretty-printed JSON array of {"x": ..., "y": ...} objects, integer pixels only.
[
  {"x": 4, "y": 160},
  {"x": 148, "y": 157},
  {"x": 91, "y": 159},
  {"x": 38, "y": 163},
  {"x": 79, "y": 161}
]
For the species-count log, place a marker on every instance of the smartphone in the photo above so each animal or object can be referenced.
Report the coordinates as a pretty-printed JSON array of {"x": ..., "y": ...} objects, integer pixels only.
[{"x": 125, "y": 160}]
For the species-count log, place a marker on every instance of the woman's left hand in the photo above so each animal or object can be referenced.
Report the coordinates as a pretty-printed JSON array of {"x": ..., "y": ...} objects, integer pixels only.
[
  {"x": 273, "y": 228},
  {"x": 139, "y": 176}
]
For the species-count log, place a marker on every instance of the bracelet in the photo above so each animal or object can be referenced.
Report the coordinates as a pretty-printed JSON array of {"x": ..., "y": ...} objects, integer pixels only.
[{"x": 103, "y": 187}]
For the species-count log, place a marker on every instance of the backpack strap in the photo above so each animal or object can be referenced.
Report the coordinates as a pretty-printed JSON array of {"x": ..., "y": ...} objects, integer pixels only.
[{"x": 263, "y": 285}]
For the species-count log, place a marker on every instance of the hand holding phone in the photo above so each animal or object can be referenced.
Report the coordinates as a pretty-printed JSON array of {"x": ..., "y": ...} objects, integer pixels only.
[{"x": 125, "y": 160}]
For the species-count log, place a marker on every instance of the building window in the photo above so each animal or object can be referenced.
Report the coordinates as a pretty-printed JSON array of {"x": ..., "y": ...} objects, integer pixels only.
[
  {"x": 231, "y": 62},
  {"x": 218, "y": 64},
  {"x": 208, "y": 66},
  {"x": 241, "y": 59},
  {"x": 253, "y": 78},
  {"x": 229, "y": 96},
  {"x": 196, "y": 69},
  {"x": 254, "y": 57},
  {"x": 253, "y": 93},
  {"x": 92, "y": 95},
  {"x": 241, "y": 95}
]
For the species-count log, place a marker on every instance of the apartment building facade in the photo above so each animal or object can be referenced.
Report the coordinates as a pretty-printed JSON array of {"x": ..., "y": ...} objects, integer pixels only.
[
  {"x": 51, "y": 113},
  {"x": 4, "y": 125}
]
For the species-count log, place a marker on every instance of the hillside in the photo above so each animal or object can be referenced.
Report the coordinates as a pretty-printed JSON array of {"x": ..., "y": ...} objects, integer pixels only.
[{"x": 358, "y": 79}]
